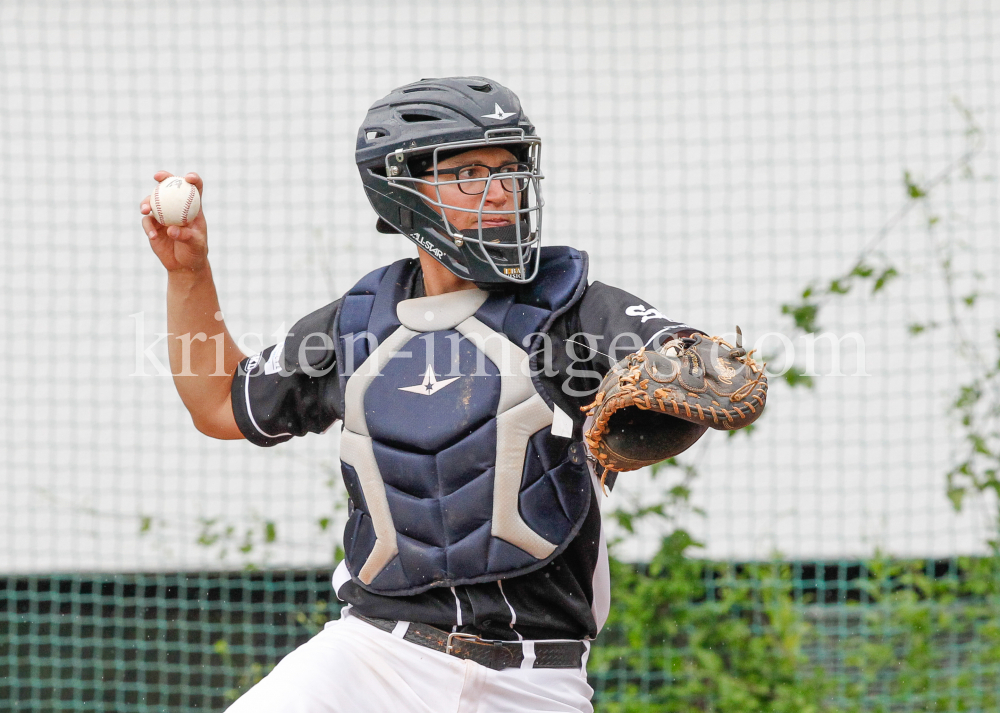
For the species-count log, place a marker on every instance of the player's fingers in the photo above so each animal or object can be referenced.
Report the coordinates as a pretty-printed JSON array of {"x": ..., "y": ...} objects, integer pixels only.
[
  {"x": 195, "y": 180},
  {"x": 159, "y": 176},
  {"x": 181, "y": 234},
  {"x": 151, "y": 227},
  {"x": 198, "y": 223},
  {"x": 192, "y": 239},
  {"x": 144, "y": 206}
]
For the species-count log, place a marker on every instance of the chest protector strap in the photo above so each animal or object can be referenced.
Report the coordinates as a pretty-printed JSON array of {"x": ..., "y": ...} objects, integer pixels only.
[{"x": 447, "y": 453}]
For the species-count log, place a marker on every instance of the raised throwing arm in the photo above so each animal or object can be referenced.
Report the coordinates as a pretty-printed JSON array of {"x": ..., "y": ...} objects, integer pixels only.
[{"x": 203, "y": 356}]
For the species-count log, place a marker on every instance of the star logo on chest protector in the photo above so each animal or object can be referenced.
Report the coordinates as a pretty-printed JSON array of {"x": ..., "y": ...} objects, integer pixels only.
[{"x": 430, "y": 384}]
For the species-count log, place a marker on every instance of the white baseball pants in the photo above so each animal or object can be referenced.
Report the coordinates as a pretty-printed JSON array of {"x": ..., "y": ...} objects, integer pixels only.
[{"x": 353, "y": 667}]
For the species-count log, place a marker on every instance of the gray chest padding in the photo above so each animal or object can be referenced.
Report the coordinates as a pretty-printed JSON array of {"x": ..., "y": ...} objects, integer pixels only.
[{"x": 447, "y": 453}]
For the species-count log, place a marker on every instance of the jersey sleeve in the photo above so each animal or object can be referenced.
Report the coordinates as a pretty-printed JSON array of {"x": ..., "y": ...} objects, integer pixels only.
[
  {"x": 604, "y": 327},
  {"x": 292, "y": 388},
  {"x": 620, "y": 323}
]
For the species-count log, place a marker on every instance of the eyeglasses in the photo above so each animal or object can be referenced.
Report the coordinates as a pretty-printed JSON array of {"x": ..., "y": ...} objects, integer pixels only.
[{"x": 473, "y": 178}]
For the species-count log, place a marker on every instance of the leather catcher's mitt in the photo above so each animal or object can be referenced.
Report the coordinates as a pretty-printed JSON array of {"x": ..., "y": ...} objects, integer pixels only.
[{"x": 653, "y": 405}]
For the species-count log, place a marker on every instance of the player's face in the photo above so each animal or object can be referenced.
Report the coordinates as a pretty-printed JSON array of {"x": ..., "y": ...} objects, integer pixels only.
[{"x": 497, "y": 198}]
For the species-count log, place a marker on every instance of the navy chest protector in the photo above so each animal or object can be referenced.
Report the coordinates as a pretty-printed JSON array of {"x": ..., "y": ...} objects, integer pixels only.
[{"x": 453, "y": 473}]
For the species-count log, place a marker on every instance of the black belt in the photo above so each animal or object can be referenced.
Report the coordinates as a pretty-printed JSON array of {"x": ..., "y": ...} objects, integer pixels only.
[{"x": 496, "y": 655}]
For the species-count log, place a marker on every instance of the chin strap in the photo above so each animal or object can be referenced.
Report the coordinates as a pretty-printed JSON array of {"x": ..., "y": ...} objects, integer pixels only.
[
  {"x": 502, "y": 259},
  {"x": 501, "y": 235}
]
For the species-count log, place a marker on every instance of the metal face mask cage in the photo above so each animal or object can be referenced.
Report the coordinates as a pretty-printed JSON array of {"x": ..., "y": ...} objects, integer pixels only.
[{"x": 511, "y": 251}]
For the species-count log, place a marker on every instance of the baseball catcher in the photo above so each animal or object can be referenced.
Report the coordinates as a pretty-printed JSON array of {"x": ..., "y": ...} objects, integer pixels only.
[{"x": 483, "y": 389}]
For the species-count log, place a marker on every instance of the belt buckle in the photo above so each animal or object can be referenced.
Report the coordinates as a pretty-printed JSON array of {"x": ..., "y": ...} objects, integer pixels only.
[{"x": 457, "y": 635}]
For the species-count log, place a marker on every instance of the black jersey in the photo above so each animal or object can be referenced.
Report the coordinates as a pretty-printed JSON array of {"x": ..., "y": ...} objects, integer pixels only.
[{"x": 565, "y": 599}]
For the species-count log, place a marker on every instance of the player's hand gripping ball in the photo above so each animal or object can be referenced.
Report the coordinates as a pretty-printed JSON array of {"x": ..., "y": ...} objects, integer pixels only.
[
  {"x": 653, "y": 405},
  {"x": 174, "y": 202}
]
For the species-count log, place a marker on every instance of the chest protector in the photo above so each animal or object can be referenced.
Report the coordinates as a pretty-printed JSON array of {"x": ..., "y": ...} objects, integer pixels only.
[{"x": 453, "y": 473}]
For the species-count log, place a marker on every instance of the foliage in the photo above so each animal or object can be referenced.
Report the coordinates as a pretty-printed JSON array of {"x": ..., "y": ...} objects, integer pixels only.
[
  {"x": 226, "y": 538},
  {"x": 975, "y": 405},
  {"x": 250, "y": 540},
  {"x": 243, "y": 676},
  {"x": 877, "y": 268},
  {"x": 244, "y": 672},
  {"x": 686, "y": 634},
  {"x": 314, "y": 621}
]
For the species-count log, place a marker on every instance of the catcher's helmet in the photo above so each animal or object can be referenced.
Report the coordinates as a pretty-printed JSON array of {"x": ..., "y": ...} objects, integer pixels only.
[{"x": 404, "y": 137}]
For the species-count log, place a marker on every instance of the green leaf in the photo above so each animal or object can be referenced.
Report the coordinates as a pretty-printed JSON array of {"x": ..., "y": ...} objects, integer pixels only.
[
  {"x": 323, "y": 522},
  {"x": 221, "y": 647},
  {"x": 956, "y": 495},
  {"x": 247, "y": 545},
  {"x": 916, "y": 328},
  {"x": 967, "y": 396},
  {"x": 145, "y": 523},
  {"x": 804, "y": 315},
  {"x": 970, "y": 300},
  {"x": 883, "y": 279},
  {"x": 624, "y": 520},
  {"x": 862, "y": 270},
  {"x": 270, "y": 532},
  {"x": 680, "y": 492},
  {"x": 912, "y": 189},
  {"x": 839, "y": 288},
  {"x": 979, "y": 444},
  {"x": 797, "y": 377}
]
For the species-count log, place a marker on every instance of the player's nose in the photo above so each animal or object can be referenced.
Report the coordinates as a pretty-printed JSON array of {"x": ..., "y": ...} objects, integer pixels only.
[{"x": 496, "y": 194}]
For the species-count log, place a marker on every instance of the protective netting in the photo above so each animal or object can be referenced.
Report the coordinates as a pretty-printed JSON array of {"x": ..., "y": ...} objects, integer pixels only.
[{"x": 714, "y": 158}]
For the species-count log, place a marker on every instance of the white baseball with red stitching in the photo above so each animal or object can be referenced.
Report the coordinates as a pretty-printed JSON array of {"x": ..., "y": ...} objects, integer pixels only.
[{"x": 174, "y": 202}]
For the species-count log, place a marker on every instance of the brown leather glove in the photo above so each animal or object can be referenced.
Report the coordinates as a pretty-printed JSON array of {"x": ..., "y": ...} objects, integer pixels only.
[{"x": 653, "y": 405}]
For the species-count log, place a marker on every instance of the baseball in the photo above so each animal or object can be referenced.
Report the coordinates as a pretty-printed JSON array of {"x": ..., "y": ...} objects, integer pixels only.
[{"x": 174, "y": 202}]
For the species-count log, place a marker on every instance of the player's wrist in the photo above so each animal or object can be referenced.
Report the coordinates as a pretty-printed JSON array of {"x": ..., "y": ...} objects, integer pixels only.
[{"x": 184, "y": 275}]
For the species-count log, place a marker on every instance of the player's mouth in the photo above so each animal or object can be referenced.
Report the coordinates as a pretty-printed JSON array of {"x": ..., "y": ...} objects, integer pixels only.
[{"x": 496, "y": 222}]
